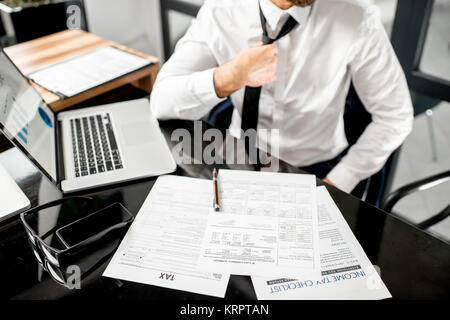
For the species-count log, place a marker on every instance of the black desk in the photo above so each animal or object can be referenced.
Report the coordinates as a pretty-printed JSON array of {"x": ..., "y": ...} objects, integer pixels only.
[{"x": 413, "y": 264}]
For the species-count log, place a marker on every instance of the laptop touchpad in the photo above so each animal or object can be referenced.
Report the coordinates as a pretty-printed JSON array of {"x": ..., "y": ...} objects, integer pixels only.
[{"x": 137, "y": 133}]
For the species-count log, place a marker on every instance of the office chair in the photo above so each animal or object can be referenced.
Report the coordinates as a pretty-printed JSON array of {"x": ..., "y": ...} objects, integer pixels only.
[
  {"x": 2, "y": 29},
  {"x": 220, "y": 115},
  {"x": 356, "y": 119},
  {"x": 421, "y": 185}
]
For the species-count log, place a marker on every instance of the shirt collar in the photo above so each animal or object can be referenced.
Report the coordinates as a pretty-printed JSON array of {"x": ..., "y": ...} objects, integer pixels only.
[{"x": 273, "y": 14}]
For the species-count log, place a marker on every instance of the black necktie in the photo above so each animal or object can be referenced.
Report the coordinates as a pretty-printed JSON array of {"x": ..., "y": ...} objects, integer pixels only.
[{"x": 250, "y": 107}]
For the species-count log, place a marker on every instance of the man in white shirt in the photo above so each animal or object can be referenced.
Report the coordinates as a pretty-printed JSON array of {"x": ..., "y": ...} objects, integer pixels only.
[{"x": 305, "y": 77}]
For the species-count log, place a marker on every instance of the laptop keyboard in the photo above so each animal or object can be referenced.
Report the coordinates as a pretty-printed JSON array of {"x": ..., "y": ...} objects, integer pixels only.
[{"x": 94, "y": 144}]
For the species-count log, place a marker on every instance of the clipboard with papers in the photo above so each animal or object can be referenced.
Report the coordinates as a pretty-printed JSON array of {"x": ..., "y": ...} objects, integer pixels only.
[{"x": 87, "y": 71}]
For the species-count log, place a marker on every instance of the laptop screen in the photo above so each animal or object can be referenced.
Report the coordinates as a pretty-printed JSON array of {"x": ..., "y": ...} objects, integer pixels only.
[{"x": 25, "y": 118}]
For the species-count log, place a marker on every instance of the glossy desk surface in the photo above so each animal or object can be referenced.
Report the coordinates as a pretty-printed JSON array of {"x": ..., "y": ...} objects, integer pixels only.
[{"x": 413, "y": 264}]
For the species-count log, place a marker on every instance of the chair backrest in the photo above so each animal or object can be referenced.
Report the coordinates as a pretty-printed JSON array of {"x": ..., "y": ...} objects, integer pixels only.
[
  {"x": 356, "y": 117},
  {"x": 2, "y": 28},
  {"x": 356, "y": 120}
]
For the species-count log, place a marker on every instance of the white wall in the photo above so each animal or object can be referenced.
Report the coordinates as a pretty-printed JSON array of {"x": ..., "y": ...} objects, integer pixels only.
[{"x": 134, "y": 23}]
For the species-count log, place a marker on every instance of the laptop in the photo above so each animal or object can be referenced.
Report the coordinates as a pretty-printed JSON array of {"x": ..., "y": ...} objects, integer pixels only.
[{"x": 85, "y": 148}]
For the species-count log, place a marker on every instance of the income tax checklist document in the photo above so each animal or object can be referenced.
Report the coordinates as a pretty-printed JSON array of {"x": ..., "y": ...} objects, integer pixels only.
[
  {"x": 267, "y": 226},
  {"x": 347, "y": 272},
  {"x": 162, "y": 246}
]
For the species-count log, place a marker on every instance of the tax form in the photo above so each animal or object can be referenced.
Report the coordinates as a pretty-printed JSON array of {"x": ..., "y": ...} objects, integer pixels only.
[
  {"x": 346, "y": 271},
  {"x": 267, "y": 225},
  {"x": 78, "y": 74},
  {"x": 162, "y": 246}
]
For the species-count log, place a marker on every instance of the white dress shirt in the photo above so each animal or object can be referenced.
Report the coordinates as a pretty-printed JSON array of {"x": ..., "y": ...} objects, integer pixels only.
[{"x": 337, "y": 41}]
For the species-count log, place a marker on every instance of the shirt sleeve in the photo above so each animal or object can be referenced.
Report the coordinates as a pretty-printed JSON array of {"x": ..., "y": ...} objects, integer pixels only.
[
  {"x": 184, "y": 88},
  {"x": 381, "y": 85}
]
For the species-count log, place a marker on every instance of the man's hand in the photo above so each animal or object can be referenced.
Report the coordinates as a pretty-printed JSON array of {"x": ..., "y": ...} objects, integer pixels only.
[{"x": 254, "y": 67}]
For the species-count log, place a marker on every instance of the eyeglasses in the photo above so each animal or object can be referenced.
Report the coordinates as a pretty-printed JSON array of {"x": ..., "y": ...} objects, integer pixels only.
[{"x": 54, "y": 260}]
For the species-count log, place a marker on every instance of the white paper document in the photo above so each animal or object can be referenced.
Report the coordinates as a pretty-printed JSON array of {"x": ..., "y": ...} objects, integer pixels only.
[
  {"x": 162, "y": 246},
  {"x": 12, "y": 198},
  {"x": 346, "y": 271},
  {"x": 81, "y": 73},
  {"x": 267, "y": 225}
]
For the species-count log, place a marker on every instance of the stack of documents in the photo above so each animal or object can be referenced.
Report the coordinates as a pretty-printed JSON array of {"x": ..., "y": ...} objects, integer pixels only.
[
  {"x": 84, "y": 72},
  {"x": 280, "y": 229}
]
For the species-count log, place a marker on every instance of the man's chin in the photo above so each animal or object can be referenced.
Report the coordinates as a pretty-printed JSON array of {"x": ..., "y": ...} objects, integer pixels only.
[{"x": 301, "y": 3}]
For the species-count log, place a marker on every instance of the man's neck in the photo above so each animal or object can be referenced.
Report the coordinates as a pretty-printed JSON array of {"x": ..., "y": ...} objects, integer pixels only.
[{"x": 282, "y": 4}]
